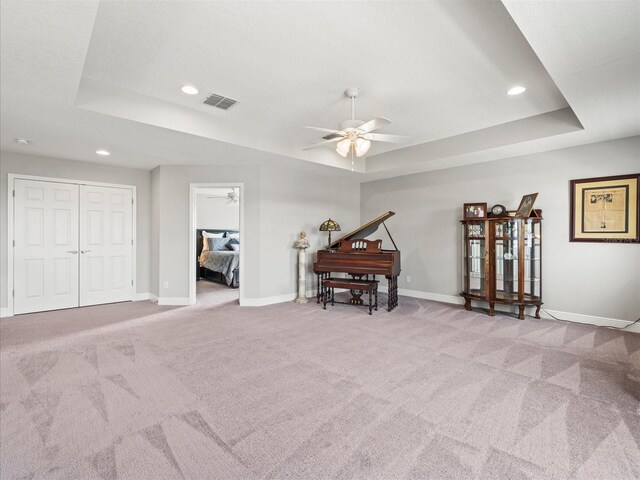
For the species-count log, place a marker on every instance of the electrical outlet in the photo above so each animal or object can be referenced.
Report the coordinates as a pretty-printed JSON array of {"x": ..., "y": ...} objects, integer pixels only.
[
  {"x": 408, "y": 278},
  {"x": 166, "y": 284}
]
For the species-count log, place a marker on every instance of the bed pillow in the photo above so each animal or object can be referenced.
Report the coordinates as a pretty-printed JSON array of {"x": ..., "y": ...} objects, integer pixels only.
[
  {"x": 206, "y": 236},
  {"x": 217, "y": 244},
  {"x": 235, "y": 235},
  {"x": 233, "y": 244}
]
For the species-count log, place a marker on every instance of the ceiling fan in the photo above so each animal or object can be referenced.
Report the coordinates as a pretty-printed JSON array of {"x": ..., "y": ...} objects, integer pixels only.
[
  {"x": 354, "y": 135},
  {"x": 232, "y": 198}
]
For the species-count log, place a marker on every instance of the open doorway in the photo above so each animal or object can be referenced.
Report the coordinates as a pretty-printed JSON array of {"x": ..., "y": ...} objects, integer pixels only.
[{"x": 216, "y": 216}]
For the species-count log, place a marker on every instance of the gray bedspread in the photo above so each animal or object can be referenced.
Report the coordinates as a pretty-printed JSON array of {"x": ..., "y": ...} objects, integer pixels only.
[{"x": 224, "y": 262}]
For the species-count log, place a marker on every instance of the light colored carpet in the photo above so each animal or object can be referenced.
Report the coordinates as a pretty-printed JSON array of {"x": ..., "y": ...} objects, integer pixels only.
[
  {"x": 213, "y": 293},
  {"x": 215, "y": 391}
]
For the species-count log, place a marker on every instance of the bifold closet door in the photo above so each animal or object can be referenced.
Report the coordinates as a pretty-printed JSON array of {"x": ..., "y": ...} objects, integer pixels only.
[
  {"x": 106, "y": 245},
  {"x": 45, "y": 269}
]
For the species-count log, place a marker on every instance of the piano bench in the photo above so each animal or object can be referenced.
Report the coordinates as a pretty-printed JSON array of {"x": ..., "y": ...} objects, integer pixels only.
[{"x": 370, "y": 286}]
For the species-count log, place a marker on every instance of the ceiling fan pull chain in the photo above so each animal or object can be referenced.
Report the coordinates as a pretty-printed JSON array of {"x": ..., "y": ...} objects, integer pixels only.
[{"x": 352, "y": 149}]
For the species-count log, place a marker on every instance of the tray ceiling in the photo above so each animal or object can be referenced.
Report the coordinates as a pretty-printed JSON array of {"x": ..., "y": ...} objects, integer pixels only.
[{"x": 438, "y": 70}]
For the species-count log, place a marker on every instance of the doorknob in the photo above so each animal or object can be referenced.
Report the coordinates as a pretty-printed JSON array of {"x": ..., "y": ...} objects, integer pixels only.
[
  {"x": 72, "y": 251},
  {"x": 84, "y": 251}
]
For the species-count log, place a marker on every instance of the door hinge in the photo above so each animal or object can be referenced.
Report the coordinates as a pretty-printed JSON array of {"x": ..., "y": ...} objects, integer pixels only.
[
  {"x": 14, "y": 243},
  {"x": 132, "y": 201},
  {"x": 132, "y": 241},
  {"x": 132, "y": 282},
  {"x": 13, "y": 293},
  {"x": 13, "y": 193}
]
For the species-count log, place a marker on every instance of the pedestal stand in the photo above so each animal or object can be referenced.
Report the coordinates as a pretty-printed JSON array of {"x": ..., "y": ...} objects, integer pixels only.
[{"x": 302, "y": 244}]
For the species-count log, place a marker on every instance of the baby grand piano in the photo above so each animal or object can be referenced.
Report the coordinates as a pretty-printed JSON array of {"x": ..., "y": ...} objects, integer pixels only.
[{"x": 360, "y": 263}]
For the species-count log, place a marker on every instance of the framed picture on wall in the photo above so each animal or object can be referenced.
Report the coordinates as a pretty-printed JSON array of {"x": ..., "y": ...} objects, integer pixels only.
[
  {"x": 475, "y": 211},
  {"x": 605, "y": 209}
]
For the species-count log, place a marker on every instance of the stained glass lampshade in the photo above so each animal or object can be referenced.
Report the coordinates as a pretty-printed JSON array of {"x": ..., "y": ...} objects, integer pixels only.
[{"x": 329, "y": 226}]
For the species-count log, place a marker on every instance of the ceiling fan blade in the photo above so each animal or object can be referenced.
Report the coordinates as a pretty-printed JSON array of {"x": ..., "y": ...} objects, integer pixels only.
[
  {"x": 338, "y": 132},
  {"x": 333, "y": 140},
  {"x": 331, "y": 136},
  {"x": 382, "y": 137},
  {"x": 374, "y": 124}
]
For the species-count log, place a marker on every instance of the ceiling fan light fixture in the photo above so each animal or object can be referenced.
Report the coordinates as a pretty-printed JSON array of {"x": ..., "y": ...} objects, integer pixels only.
[
  {"x": 354, "y": 136},
  {"x": 362, "y": 147},
  {"x": 233, "y": 197},
  {"x": 343, "y": 147}
]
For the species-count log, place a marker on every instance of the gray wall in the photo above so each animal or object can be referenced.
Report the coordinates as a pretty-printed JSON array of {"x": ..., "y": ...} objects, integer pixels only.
[
  {"x": 49, "y": 167},
  {"x": 278, "y": 204},
  {"x": 586, "y": 278},
  {"x": 294, "y": 202},
  {"x": 173, "y": 184}
]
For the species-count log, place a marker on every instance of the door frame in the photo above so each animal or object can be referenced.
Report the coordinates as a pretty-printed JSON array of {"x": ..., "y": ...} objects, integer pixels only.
[
  {"x": 11, "y": 177},
  {"x": 192, "y": 234}
]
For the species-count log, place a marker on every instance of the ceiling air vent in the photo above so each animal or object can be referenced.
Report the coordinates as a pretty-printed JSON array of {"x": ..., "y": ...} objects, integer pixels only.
[{"x": 219, "y": 101}]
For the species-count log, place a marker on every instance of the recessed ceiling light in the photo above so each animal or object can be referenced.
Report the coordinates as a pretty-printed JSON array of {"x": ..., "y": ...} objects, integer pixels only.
[
  {"x": 103, "y": 152},
  {"x": 516, "y": 91},
  {"x": 189, "y": 90},
  {"x": 23, "y": 141}
]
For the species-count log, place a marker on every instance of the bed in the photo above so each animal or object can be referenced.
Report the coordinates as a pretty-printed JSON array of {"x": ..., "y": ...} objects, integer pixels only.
[{"x": 222, "y": 266}]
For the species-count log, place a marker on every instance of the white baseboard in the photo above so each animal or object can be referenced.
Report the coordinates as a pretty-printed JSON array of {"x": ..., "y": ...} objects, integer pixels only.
[
  {"x": 174, "y": 301},
  {"x": 4, "y": 312},
  {"x": 260, "y": 302},
  {"x": 289, "y": 297},
  {"x": 141, "y": 296},
  {"x": 635, "y": 328},
  {"x": 545, "y": 313},
  {"x": 589, "y": 319},
  {"x": 436, "y": 297}
]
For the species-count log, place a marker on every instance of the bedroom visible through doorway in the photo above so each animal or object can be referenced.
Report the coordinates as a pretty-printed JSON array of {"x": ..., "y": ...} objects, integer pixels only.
[{"x": 217, "y": 244}]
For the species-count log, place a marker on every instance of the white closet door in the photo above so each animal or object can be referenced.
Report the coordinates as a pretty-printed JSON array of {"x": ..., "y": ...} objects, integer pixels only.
[
  {"x": 46, "y": 246},
  {"x": 106, "y": 233}
]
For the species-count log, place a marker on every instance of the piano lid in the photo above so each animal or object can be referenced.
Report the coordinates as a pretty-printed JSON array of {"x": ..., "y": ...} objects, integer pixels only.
[{"x": 365, "y": 230}]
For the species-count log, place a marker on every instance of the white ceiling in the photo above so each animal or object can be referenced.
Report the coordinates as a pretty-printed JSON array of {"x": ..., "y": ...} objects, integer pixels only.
[{"x": 78, "y": 76}]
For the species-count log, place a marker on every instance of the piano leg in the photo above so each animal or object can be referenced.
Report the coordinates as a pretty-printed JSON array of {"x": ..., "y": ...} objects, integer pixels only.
[
  {"x": 392, "y": 296},
  {"x": 395, "y": 292},
  {"x": 319, "y": 292},
  {"x": 376, "y": 305}
]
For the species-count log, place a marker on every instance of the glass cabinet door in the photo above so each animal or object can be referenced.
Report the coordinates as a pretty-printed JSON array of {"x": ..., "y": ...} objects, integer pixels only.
[
  {"x": 507, "y": 235},
  {"x": 532, "y": 259},
  {"x": 474, "y": 274}
]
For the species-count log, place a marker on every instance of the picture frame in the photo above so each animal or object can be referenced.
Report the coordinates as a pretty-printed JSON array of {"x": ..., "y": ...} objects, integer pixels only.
[
  {"x": 526, "y": 205},
  {"x": 474, "y": 211},
  {"x": 605, "y": 209}
]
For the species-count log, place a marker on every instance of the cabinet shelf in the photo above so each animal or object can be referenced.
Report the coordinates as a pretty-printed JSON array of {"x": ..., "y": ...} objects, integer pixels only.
[{"x": 515, "y": 279}]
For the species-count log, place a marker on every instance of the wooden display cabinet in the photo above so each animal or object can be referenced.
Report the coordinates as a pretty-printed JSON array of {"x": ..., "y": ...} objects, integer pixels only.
[{"x": 502, "y": 262}]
